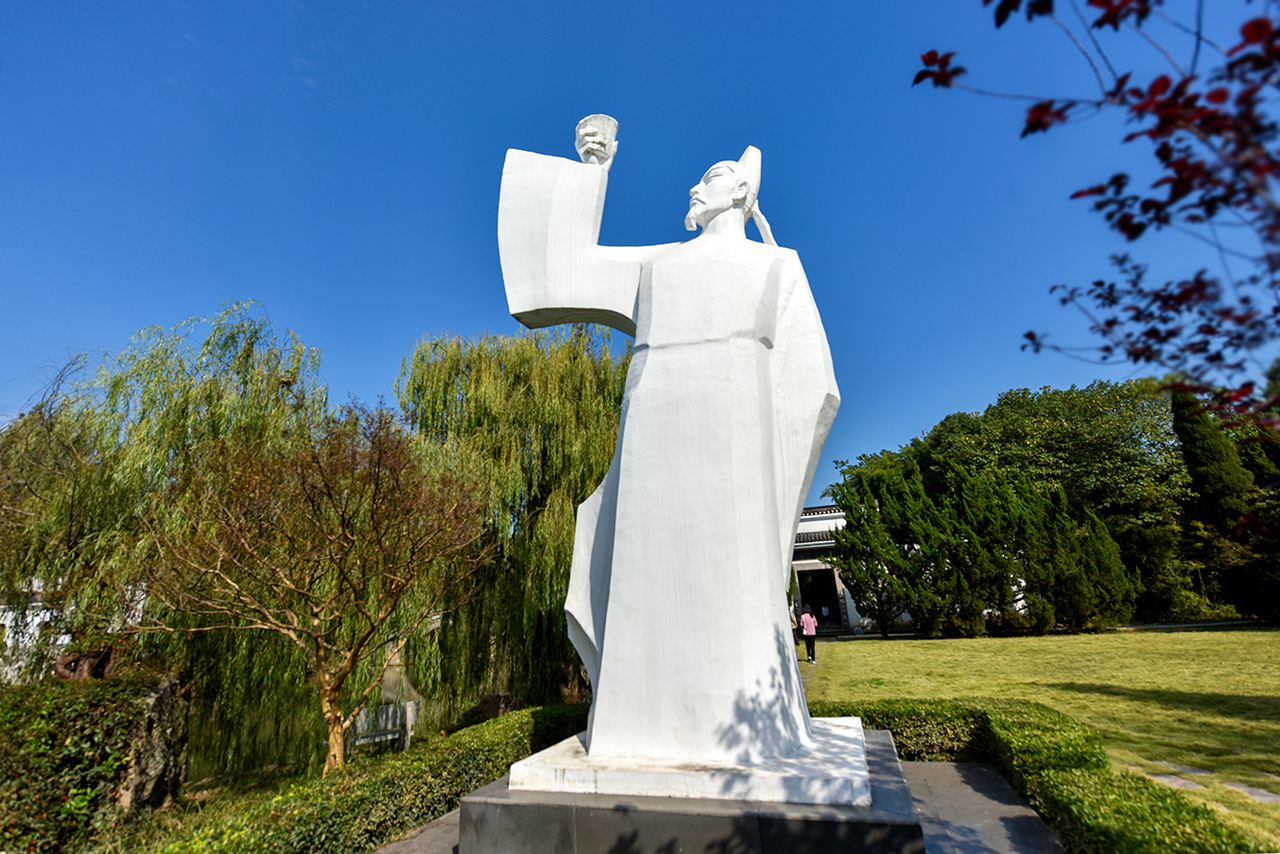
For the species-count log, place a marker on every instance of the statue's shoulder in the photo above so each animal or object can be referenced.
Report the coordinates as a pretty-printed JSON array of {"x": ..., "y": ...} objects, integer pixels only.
[
  {"x": 757, "y": 251},
  {"x": 786, "y": 259}
]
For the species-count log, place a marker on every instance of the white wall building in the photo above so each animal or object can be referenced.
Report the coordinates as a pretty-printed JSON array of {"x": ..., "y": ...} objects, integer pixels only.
[{"x": 818, "y": 584}]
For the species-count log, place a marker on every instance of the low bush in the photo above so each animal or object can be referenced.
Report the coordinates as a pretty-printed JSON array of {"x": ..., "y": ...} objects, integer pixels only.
[
  {"x": 1055, "y": 762},
  {"x": 64, "y": 748},
  {"x": 370, "y": 803},
  {"x": 1097, "y": 812},
  {"x": 1059, "y": 767}
]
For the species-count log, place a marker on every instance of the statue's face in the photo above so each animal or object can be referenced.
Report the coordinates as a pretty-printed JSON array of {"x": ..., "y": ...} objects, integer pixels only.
[{"x": 718, "y": 191}]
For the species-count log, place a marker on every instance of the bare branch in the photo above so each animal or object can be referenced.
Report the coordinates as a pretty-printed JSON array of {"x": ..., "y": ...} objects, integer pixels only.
[
  {"x": 1195, "y": 56},
  {"x": 1214, "y": 242},
  {"x": 1163, "y": 52},
  {"x": 1034, "y": 98},
  {"x": 1102, "y": 86},
  {"x": 1094, "y": 39},
  {"x": 1197, "y": 33}
]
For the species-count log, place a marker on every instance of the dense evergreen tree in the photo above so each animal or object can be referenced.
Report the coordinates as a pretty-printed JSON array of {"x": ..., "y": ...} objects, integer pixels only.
[
  {"x": 1109, "y": 446},
  {"x": 1220, "y": 484},
  {"x": 867, "y": 557},
  {"x": 992, "y": 519},
  {"x": 1229, "y": 532}
]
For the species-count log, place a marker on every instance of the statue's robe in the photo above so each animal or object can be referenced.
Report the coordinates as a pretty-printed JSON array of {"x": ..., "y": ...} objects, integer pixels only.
[{"x": 677, "y": 599}]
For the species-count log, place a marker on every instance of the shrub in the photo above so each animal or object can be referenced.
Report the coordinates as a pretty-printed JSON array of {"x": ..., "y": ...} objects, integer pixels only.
[
  {"x": 937, "y": 732},
  {"x": 1097, "y": 812},
  {"x": 64, "y": 748},
  {"x": 1059, "y": 767},
  {"x": 371, "y": 803},
  {"x": 1055, "y": 762}
]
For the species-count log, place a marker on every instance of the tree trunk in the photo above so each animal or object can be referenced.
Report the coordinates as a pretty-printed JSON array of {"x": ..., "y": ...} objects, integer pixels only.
[
  {"x": 880, "y": 610},
  {"x": 337, "y": 746},
  {"x": 331, "y": 706}
]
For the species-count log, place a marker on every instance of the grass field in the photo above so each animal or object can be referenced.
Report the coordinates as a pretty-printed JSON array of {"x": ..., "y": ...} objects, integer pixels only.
[{"x": 1206, "y": 699}]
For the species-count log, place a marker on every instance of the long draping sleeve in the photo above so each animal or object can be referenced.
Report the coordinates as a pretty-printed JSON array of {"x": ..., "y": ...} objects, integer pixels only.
[
  {"x": 806, "y": 398},
  {"x": 549, "y": 213}
]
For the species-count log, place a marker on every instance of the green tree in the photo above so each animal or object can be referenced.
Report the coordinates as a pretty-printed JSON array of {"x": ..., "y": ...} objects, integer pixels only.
[
  {"x": 537, "y": 416},
  {"x": 981, "y": 549},
  {"x": 988, "y": 524},
  {"x": 88, "y": 465},
  {"x": 1091, "y": 583},
  {"x": 906, "y": 537},
  {"x": 1109, "y": 446},
  {"x": 1220, "y": 485},
  {"x": 82, "y": 465},
  {"x": 1230, "y": 522},
  {"x": 866, "y": 557},
  {"x": 344, "y": 538}
]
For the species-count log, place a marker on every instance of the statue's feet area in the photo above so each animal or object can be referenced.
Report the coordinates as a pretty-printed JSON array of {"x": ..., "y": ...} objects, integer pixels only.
[
  {"x": 501, "y": 820},
  {"x": 833, "y": 770}
]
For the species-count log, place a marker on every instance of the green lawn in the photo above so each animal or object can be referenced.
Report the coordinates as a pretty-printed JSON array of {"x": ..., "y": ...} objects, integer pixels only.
[{"x": 1208, "y": 699}]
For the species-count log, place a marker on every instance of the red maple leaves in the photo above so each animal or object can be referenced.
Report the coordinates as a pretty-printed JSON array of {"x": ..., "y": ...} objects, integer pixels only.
[
  {"x": 938, "y": 69},
  {"x": 1116, "y": 12}
]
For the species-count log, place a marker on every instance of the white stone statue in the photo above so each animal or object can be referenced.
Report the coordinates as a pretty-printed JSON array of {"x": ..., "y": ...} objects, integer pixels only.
[{"x": 677, "y": 598}]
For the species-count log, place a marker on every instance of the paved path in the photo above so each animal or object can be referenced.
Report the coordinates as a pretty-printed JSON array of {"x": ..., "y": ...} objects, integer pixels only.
[
  {"x": 806, "y": 669},
  {"x": 968, "y": 808},
  {"x": 438, "y": 837},
  {"x": 964, "y": 807}
]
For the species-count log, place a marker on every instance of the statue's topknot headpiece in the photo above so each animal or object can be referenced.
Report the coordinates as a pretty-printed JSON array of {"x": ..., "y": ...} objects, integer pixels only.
[{"x": 749, "y": 169}]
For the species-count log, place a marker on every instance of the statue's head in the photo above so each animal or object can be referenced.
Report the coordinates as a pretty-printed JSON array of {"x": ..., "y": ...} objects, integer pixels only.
[{"x": 728, "y": 185}]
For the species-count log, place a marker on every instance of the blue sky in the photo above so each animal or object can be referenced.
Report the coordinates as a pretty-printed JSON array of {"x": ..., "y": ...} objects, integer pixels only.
[{"x": 339, "y": 162}]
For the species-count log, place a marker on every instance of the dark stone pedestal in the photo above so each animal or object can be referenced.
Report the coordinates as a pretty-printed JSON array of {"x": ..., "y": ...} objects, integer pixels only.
[{"x": 495, "y": 820}]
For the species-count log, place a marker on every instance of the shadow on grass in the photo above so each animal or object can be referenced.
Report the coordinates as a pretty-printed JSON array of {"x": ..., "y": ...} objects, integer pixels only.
[{"x": 1259, "y": 708}]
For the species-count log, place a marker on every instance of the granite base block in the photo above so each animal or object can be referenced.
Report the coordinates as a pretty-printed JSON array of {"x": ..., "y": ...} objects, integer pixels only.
[{"x": 497, "y": 820}]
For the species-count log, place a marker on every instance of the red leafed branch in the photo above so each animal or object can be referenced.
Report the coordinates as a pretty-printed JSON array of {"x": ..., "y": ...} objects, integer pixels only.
[
  {"x": 1216, "y": 147},
  {"x": 1044, "y": 115},
  {"x": 1117, "y": 12},
  {"x": 1005, "y": 8},
  {"x": 937, "y": 69}
]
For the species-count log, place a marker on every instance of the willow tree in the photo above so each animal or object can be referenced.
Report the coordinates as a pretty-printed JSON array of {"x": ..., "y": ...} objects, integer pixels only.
[
  {"x": 83, "y": 463},
  {"x": 537, "y": 414}
]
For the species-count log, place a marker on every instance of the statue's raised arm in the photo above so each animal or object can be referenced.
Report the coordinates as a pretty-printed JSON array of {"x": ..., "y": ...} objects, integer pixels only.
[{"x": 549, "y": 214}]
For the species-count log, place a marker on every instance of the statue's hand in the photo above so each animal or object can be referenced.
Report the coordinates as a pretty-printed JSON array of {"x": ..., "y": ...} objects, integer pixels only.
[{"x": 594, "y": 146}]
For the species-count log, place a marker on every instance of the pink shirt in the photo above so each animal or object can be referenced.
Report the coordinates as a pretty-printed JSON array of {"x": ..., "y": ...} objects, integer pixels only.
[{"x": 809, "y": 624}]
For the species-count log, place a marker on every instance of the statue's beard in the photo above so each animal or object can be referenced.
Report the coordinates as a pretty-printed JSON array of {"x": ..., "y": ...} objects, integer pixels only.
[{"x": 691, "y": 220}]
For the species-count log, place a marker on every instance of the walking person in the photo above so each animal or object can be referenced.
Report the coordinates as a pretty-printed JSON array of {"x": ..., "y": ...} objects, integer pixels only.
[{"x": 809, "y": 625}]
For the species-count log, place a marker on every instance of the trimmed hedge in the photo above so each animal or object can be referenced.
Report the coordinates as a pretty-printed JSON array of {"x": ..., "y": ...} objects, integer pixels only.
[
  {"x": 368, "y": 804},
  {"x": 1058, "y": 765},
  {"x": 64, "y": 748},
  {"x": 1055, "y": 762}
]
